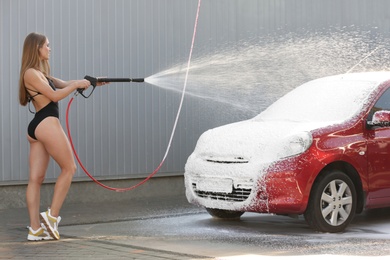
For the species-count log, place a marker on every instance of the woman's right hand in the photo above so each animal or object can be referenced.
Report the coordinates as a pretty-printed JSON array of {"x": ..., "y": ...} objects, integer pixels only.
[{"x": 83, "y": 83}]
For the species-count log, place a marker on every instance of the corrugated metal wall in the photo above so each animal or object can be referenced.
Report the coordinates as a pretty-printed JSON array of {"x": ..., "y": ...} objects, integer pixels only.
[{"x": 123, "y": 129}]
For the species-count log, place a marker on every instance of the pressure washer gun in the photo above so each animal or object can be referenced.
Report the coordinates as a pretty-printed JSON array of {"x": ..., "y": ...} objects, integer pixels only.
[{"x": 94, "y": 82}]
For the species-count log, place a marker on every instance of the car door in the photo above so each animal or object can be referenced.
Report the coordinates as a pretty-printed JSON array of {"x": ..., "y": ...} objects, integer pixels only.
[{"x": 378, "y": 149}]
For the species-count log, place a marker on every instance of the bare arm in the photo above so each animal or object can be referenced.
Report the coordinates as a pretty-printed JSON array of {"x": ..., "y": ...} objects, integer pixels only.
[
  {"x": 59, "y": 83},
  {"x": 35, "y": 80}
]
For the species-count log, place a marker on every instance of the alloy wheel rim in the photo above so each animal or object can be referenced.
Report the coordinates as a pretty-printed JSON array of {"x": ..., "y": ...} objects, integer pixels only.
[{"x": 336, "y": 202}]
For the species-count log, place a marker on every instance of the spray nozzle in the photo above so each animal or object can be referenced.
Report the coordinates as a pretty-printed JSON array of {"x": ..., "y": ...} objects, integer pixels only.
[{"x": 137, "y": 80}]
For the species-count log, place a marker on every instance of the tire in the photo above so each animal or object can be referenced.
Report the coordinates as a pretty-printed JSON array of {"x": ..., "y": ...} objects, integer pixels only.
[
  {"x": 332, "y": 202},
  {"x": 224, "y": 214}
]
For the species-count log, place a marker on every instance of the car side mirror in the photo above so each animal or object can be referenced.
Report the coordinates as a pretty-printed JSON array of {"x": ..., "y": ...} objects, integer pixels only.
[{"x": 380, "y": 118}]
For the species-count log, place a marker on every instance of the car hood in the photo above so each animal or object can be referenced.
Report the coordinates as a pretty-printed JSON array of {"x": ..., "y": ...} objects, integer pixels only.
[{"x": 246, "y": 140}]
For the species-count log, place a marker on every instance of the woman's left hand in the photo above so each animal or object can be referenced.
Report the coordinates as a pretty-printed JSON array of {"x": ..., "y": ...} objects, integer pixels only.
[{"x": 101, "y": 83}]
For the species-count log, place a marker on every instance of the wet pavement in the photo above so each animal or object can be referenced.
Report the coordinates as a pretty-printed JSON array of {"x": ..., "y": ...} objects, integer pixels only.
[
  {"x": 170, "y": 228},
  {"x": 81, "y": 245}
]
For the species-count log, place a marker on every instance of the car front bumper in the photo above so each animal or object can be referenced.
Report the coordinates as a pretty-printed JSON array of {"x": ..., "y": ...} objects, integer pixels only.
[{"x": 279, "y": 189}]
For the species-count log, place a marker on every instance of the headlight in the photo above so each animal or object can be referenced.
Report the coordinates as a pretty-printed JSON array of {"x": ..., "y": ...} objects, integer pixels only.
[{"x": 295, "y": 144}]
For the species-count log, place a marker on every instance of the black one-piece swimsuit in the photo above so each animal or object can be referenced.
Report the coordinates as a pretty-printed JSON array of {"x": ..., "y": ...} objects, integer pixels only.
[{"x": 50, "y": 109}]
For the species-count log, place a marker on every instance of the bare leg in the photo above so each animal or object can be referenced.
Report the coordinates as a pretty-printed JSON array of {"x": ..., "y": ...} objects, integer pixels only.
[
  {"x": 39, "y": 160},
  {"x": 53, "y": 137}
]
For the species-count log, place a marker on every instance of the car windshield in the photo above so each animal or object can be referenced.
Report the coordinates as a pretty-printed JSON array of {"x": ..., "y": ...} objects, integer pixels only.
[{"x": 321, "y": 101}]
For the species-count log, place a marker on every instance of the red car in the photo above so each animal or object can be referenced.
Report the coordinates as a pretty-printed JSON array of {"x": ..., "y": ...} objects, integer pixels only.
[{"x": 322, "y": 150}]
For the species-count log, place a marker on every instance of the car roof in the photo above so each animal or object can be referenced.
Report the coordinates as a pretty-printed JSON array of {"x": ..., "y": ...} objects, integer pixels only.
[{"x": 374, "y": 76}]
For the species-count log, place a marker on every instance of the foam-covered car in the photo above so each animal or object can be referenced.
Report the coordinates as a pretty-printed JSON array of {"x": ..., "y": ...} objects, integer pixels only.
[{"x": 321, "y": 150}]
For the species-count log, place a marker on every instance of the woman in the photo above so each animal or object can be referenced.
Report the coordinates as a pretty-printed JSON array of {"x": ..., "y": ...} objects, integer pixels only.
[{"x": 45, "y": 134}]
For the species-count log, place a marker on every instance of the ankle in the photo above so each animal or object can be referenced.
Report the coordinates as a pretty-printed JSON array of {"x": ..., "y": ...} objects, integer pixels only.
[
  {"x": 35, "y": 228},
  {"x": 51, "y": 214}
]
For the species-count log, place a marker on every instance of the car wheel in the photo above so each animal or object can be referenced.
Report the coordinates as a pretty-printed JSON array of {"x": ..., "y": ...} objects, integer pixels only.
[
  {"x": 225, "y": 214},
  {"x": 332, "y": 202}
]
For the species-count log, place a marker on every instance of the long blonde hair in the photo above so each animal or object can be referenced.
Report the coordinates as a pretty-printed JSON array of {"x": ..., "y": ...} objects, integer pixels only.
[{"x": 30, "y": 59}]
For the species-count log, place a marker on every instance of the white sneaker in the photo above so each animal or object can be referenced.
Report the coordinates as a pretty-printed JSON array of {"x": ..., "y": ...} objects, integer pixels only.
[
  {"x": 51, "y": 223},
  {"x": 38, "y": 235}
]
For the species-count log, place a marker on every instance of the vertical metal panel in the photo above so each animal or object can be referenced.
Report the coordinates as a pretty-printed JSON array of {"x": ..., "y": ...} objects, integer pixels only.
[{"x": 123, "y": 129}]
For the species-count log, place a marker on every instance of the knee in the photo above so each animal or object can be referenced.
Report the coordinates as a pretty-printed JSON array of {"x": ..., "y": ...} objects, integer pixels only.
[
  {"x": 70, "y": 169},
  {"x": 36, "y": 179},
  {"x": 73, "y": 169}
]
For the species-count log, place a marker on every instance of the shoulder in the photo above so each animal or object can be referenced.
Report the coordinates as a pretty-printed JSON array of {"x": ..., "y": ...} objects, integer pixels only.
[{"x": 32, "y": 74}]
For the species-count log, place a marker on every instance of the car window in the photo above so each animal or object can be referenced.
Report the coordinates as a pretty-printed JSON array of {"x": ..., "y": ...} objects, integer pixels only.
[{"x": 383, "y": 103}]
